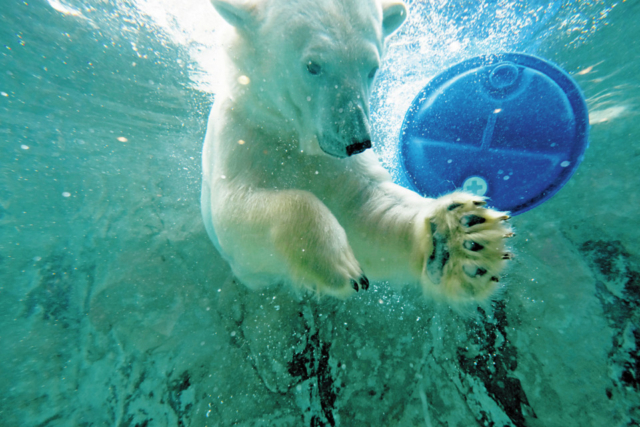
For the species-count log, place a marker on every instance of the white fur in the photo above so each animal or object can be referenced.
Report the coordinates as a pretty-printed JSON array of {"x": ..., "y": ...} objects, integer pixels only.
[{"x": 281, "y": 198}]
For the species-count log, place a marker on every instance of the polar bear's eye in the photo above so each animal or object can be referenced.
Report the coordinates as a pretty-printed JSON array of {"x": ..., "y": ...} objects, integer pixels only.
[
  {"x": 373, "y": 72},
  {"x": 314, "y": 68}
]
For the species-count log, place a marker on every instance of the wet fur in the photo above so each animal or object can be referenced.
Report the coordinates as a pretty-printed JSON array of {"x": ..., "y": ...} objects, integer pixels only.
[{"x": 279, "y": 208}]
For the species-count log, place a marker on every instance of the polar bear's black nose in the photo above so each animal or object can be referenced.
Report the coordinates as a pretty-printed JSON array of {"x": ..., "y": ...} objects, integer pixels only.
[{"x": 358, "y": 147}]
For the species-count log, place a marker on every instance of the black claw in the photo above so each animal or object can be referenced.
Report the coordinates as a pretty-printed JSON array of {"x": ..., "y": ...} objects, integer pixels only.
[
  {"x": 471, "y": 220},
  {"x": 495, "y": 279},
  {"x": 481, "y": 272},
  {"x": 472, "y": 246},
  {"x": 354, "y": 284},
  {"x": 507, "y": 255},
  {"x": 364, "y": 282},
  {"x": 454, "y": 206}
]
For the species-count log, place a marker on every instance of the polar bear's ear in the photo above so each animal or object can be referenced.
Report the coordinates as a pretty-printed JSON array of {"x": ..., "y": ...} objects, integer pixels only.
[
  {"x": 235, "y": 12},
  {"x": 393, "y": 15}
]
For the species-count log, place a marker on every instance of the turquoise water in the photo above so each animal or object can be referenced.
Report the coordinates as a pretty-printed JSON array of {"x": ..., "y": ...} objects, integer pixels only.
[{"x": 115, "y": 309}]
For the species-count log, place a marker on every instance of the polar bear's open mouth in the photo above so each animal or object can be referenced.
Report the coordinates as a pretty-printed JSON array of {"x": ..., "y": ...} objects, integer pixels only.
[{"x": 358, "y": 147}]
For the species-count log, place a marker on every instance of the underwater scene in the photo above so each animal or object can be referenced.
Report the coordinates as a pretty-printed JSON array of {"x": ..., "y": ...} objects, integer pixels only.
[{"x": 116, "y": 309}]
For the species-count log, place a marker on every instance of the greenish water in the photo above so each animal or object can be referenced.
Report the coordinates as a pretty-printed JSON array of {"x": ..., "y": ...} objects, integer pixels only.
[{"x": 115, "y": 309}]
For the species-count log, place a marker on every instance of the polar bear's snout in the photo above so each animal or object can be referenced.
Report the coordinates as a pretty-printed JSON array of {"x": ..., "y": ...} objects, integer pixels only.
[
  {"x": 351, "y": 131},
  {"x": 358, "y": 129}
]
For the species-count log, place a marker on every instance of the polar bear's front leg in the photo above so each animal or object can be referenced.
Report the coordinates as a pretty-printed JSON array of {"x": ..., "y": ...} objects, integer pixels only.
[
  {"x": 468, "y": 249},
  {"x": 453, "y": 245},
  {"x": 295, "y": 236}
]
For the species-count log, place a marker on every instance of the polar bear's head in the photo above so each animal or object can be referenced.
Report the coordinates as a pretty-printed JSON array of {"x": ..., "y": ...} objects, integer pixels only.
[{"x": 310, "y": 64}]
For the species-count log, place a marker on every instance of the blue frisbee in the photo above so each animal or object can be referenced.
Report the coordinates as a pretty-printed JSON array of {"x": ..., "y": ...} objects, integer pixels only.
[{"x": 511, "y": 127}]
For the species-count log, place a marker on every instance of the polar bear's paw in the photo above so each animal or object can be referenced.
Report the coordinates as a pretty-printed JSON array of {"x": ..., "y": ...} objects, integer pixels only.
[
  {"x": 333, "y": 272},
  {"x": 468, "y": 249}
]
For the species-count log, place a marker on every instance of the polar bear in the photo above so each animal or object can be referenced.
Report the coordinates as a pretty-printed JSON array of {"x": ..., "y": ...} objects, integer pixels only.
[{"x": 291, "y": 191}]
